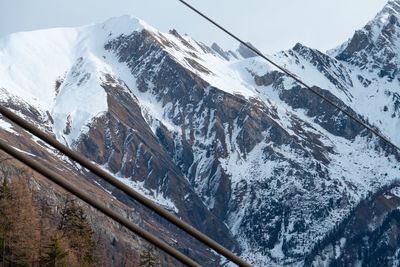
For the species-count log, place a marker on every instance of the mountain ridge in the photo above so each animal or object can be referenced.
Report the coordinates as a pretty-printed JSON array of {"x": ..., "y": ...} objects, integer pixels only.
[{"x": 229, "y": 143}]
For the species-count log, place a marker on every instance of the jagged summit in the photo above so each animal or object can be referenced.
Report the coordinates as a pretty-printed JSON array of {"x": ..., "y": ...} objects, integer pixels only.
[
  {"x": 394, "y": 5},
  {"x": 245, "y": 52},
  {"x": 389, "y": 15},
  {"x": 377, "y": 45}
]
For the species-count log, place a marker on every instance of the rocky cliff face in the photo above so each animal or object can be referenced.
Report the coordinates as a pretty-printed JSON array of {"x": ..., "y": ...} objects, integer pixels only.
[
  {"x": 368, "y": 236},
  {"x": 224, "y": 140},
  {"x": 376, "y": 46}
]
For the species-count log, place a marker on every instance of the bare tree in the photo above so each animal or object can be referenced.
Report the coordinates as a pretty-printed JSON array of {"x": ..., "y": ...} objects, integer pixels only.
[{"x": 19, "y": 220}]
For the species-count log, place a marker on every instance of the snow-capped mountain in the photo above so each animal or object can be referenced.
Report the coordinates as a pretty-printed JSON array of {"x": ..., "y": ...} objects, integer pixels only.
[{"x": 221, "y": 138}]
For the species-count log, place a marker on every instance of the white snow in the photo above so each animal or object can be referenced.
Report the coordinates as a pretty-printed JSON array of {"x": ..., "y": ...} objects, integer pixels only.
[
  {"x": 7, "y": 126},
  {"x": 155, "y": 196},
  {"x": 220, "y": 73},
  {"x": 32, "y": 62},
  {"x": 24, "y": 152}
]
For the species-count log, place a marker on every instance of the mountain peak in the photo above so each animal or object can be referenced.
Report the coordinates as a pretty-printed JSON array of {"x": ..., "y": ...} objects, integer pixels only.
[
  {"x": 245, "y": 52},
  {"x": 389, "y": 13},
  {"x": 125, "y": 24},
  {"x": 377, "y": 45},
  {"x": 394, "y": 4}
]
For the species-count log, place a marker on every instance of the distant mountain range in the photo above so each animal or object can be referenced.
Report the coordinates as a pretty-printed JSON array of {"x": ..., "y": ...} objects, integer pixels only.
[{"x": 222, "y": 138}]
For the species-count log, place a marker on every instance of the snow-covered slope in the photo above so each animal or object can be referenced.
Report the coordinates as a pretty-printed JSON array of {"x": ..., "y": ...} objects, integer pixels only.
[
  {"x": 45, "y": 55},
  {"x": 221, "y": 138},
  {"x": 60, "y": 71}
]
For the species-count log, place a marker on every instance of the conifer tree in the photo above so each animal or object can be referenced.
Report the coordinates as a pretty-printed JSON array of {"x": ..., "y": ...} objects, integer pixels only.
[
  {"x": 75, "y": 227},
  {"x": 147, "y": 258},
  {"x": 56, "y": 253}
]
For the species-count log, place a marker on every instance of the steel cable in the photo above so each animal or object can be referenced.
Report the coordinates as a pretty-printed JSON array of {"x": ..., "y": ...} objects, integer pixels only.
[
  {"x": 61, "y": 181},
  {"x": 293, "y": 76},
  {"x": 121, "y": 186}
]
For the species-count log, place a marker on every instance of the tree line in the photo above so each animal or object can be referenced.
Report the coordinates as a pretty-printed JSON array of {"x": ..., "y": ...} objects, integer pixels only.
[{"x": 29, "y": 237}]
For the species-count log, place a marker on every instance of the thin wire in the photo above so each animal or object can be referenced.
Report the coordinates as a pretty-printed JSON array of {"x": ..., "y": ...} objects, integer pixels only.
[
  {"x": 312, "y": 89},
  {"x": 59, "y": 180},
  {"x": 123, "y": 187}
]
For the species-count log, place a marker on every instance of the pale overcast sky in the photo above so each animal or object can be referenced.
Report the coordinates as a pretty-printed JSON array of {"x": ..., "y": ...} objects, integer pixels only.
[{"x": 271, "y": 25}]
